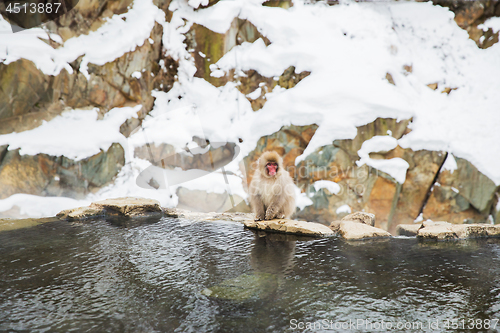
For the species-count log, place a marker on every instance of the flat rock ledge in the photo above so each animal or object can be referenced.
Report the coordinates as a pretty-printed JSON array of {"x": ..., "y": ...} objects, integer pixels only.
[
  {"x": 358, "y": 226},
  {"x": 410, "y": 230},
  {"x": 195, "y": 216},
  {"x": 127, "y": 207},
  {"x": 448, "y": 231},
  {"x": 290, "y": 227},
  {"x": 355, "y": 230},
  {"x": 361, "y": 217},
  {"x": 279, "y": 225}
]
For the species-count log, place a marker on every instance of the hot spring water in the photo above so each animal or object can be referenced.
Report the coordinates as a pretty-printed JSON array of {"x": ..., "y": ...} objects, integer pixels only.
[{"x": 172, "y": 275}]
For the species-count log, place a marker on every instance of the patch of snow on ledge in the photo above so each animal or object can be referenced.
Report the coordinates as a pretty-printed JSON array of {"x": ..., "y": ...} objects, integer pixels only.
[
  {"x": 395, "y": 167},
  {"x": 76, "y": 134},
  {"x": 332, "y": 187},
  {"x": 344, "y": 209}
]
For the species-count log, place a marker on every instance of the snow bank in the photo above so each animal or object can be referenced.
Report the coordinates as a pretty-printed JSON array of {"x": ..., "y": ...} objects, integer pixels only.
[
  {"x": 349, "y": 48},
  {"x": 35, "y": 206},
  {"x": 76, "y": 134},
  {"x": 119, "y": 35}
]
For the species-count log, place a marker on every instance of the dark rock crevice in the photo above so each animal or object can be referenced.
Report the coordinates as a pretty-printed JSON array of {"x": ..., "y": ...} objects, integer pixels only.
[
  {"x": 3, "y": 152},
  {"x": 429, "y": 190}
]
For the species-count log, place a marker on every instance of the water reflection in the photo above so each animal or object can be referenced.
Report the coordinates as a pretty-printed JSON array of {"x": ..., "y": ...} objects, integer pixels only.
[{"x": 273, "y": 253}]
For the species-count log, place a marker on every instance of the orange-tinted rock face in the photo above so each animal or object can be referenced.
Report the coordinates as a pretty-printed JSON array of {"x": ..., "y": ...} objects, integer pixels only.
[
  {"x": 420, "y": 176},
  {"x": 466, "y": 195},
  {"x": 463, "y": 195},
  {"x": 380, "y": 201}
]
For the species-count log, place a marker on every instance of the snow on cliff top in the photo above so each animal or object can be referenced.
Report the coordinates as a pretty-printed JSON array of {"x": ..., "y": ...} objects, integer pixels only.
[{"x": 348, "y": 49}]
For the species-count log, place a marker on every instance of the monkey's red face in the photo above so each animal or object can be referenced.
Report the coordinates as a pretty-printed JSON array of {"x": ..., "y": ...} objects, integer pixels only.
[{"x": 272, "y": 168}]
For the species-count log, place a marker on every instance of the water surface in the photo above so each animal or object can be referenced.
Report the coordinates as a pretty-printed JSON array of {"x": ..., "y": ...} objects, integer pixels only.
[{"x": 121, "y": 276}]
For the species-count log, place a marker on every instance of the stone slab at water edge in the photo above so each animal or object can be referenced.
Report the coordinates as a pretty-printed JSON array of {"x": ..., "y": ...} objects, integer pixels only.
[
  {"x": 355, "y": 226},
  {"x": 358, "y": 226},
  {"x": 353, "y": 230},
  {"x": 290, "y": 227},
  {"x": 127, "y": 207},
  {"x": 409, "y": 230},
  {"x": 448, "y": 231}
]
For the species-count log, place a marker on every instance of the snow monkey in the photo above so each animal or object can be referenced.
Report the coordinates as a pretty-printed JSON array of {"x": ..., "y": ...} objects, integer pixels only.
[{"x": 272, "y": 192}]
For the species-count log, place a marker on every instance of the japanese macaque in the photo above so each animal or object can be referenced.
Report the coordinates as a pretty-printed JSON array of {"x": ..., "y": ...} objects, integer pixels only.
[{"x": 272, "y": 192}]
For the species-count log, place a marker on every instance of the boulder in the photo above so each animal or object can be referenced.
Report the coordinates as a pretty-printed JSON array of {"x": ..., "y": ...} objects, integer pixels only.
[
  {"x": 125, "y": 207},
  {"x": 361, "y": 217},
  {"x": 424, "y": 165},
  {"x": 408, "y": 229},
  {"x": 361, "y": 187},
  {"x": 154, "y": 153},
  {"x": 290, "y": 227},
  {"x": 474, "y": 186},
  {"x": 22, "y": 86},
  {"x": 128, "y": 206},
  {"x": 460, "y": 195},
  {"x": 447, "y": 231},
  {"x": 108, "y": 86},
  {"x": 47, "y": 175},
  {"x": 357, "y": 230},
  {"x": 80, "y": 213},
  {"x": 207, "y": 47}
]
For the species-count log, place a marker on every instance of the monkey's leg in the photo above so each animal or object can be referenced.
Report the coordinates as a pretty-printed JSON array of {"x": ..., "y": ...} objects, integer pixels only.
[
  {"x": 258, "y": 208},
  {"x": 274, "y": 209}
]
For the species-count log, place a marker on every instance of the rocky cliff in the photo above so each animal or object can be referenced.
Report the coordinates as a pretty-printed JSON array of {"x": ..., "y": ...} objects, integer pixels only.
[{"x": 431, "y": 184}]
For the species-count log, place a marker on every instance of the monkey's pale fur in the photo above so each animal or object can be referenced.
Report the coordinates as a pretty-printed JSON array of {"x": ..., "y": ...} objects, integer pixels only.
[{"x": 272, "y": 197}]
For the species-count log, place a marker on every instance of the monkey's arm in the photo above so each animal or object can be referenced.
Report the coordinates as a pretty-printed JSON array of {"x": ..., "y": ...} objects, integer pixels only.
[{"x": 258, "y": 207}]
